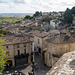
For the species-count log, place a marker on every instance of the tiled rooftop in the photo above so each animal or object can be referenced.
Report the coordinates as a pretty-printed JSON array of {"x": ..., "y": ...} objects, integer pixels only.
[
  {"x": 39, "y": 33},
  {"x": 16, "y": 39}
]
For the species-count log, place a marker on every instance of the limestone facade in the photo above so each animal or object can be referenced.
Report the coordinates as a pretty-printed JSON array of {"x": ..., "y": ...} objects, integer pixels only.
[
  {"x": 19, "y": 50},
  {"x": 56, "y": 47}
]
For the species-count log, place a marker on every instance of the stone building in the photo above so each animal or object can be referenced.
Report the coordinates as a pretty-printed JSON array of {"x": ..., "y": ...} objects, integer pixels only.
[
  {"x": 19, "y": 50},
  {"x": 64, "y": 66},
  {"x": 55, "y": 23},
  {"x": 39, "y": 40},
  {"x": 57, "y": 46}
]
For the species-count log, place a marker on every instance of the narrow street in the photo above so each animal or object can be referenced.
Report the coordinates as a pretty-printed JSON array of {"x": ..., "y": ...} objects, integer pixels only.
[{"x": 42, "y": 70}]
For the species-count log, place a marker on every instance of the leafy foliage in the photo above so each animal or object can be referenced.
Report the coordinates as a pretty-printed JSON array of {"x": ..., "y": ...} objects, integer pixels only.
[
  {"x": 54, "y": 18},
  {"x": 46, "y": 19},
  {"x": 73, "y": 10},
  {"x": 68, "y": 16},
  {"x": 28, "y": 17},
  {"x": 2, "y": 32},
  {"x": 2, "y": 56},
  {"x": 37, "y": 13}
]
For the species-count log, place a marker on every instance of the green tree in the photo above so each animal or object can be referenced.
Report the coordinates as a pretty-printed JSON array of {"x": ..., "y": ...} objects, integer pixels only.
[
  {"x": 68, "y": 16},
  {"x": 73, "y": 10},
  {"x": 37, "y": 13},
  {"x": 28, "y": 17},
  {"x": 46, "y": 19},
  {"x": 2, "y": 32},
  {"x": 2, "y": 56}
]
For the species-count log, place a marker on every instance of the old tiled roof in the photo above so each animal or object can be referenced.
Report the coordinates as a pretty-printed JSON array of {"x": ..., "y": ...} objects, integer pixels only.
[
  {"x": 54, "y": 31},
  {"x": 39, "y": 33},
  {"x": 61, "y": 39},
  {"x": 16, "y": 39},
  {"x": 64, "y": 66}
]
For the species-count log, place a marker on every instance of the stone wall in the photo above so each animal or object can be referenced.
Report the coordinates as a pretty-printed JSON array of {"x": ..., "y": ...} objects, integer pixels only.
[
  {"x": 58, "y": 50},
  {"x": 12, "y": 49}
]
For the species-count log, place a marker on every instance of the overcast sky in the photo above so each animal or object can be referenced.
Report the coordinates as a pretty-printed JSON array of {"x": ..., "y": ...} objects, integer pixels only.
[{"x": 30, "y": 6}]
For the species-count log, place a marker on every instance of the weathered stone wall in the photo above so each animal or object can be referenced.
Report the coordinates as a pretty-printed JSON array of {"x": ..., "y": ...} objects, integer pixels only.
[
  {"x": 12, "y": 49},
  {"x": 58, "y": 50}
]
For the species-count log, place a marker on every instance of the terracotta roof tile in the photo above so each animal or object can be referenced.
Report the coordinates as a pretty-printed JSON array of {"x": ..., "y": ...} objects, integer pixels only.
[
  {"x": 16, "y": 39},
  {"x": 39, "y": 34}
]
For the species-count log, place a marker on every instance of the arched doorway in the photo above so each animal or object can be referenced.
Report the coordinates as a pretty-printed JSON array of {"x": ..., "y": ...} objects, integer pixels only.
[{"x": 8, "y": 63}]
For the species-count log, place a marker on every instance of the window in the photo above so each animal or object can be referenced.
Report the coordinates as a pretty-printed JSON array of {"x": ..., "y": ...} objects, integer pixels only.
[
  {"x": 17, "y": 46},
  {"x": 24, "y": 51},
  {"x": 7, "y": 53},
  {"x": 24, "y": 45},
  {"x": 6, "y": 46},
  {"x": 18, "y": 52}
]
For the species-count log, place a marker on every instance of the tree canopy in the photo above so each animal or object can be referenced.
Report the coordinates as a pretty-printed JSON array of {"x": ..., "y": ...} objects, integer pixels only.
[
  {"x": 37, "y": 13},
  {"x": 68, "y": 16},
  {"x": 46, "y": 19},
  {"x": 2, "y": 56},
  {"x": 2, "y": 32},
  {"x": 73, "y": 10},
  {"x": 28, "y": 17}
]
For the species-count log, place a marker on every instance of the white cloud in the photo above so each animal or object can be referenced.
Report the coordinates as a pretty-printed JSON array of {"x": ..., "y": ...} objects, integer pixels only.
[
  {"x": 35, "y": 5},
  {"x": 18, "y": 1}
]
